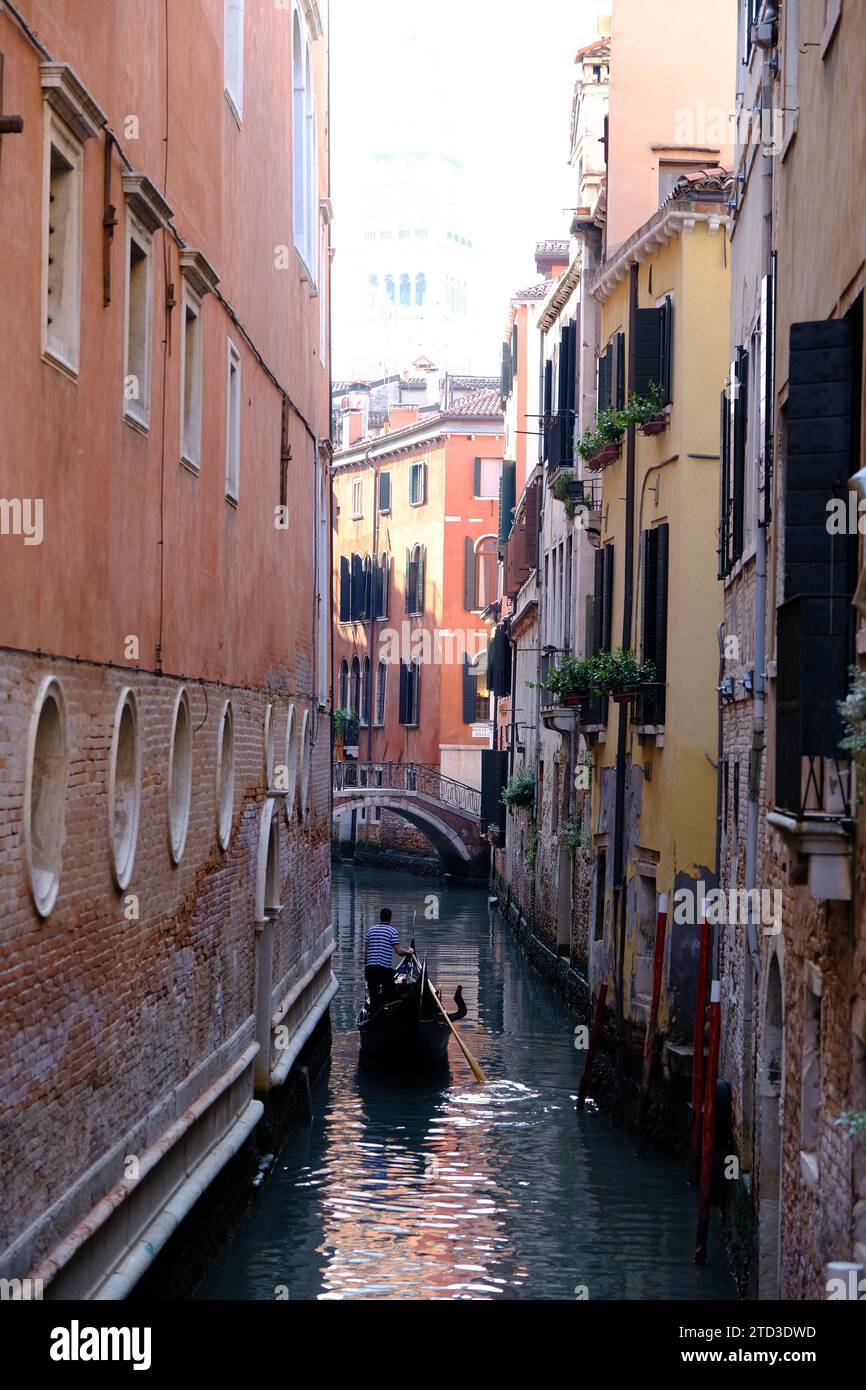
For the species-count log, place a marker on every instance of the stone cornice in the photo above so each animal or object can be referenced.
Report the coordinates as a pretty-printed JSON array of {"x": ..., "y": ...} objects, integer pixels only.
[
  {"x": 66, "y": 93},
  {"x": 146, "y": 201},
  {"x": 668, "y": 223}
]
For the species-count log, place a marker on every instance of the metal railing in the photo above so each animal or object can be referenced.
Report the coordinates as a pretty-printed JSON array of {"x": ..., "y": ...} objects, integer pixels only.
[{"x": 408, "y": 777}]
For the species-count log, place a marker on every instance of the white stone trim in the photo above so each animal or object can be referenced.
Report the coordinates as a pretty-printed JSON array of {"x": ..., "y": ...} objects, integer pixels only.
[
  {"x": 66, "y": 93},
  {"x": 145, "y": 200}
]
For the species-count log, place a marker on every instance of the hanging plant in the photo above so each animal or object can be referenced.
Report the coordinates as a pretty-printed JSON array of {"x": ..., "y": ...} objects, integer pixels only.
[{"x": 519, "y": 791}]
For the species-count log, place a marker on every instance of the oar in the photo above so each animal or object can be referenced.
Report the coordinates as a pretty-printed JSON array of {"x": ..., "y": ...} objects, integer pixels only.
[{"x": 476, "y": 1070}]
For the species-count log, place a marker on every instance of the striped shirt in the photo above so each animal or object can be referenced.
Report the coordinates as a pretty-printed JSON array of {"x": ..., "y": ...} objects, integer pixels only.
[{"x": 381, "y": 940}]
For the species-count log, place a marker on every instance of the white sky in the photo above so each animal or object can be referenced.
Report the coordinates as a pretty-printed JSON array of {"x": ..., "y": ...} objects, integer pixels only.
[{"x": 489, "y": 81}]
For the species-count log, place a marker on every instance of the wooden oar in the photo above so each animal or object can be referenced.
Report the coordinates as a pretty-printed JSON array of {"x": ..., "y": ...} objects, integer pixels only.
[{"x": 476, "y": 1070}]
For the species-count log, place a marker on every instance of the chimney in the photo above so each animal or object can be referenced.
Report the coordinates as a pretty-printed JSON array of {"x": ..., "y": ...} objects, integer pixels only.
[
  {"x": 353, "y": 426},
  {"x": 399, "y": 416}
]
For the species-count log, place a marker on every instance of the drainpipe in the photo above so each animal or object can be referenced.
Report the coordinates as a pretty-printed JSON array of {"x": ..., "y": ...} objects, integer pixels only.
[{"x": 620, "y": 857}]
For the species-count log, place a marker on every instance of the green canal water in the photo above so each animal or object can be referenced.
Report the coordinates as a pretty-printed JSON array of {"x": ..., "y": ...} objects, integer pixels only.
[{"x": 451, "y": 1189}]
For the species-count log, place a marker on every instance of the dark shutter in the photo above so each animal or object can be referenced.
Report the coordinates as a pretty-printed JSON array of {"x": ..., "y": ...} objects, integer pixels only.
[
  {"x": 358, "y": 581},
  {"x": 666, "y": 370},
  {"x": 605, "y": 364},
  {"x": 469, "y": 587},
  {"x": 419, "y": 580},
  {"x": 345, "y": 590},
  {"x": 738, "y": 469},
  {"x": 661, "y": 618},
  {"x": 598, "y": 603},
  {"x": 384, "y": 492},
  {"x": 404, "y": 693},
  {"x": 620, "y": 371},
  {"x": 369, "y": 589},
  {"x": 469, "y": 689},
  {"x": 547, "y": 406},
  {"x": 607, "y": 618},
  {"x": 724, "y": 483},
  {"x": 415, "y": 693},
  {"x": 476, "y": 479},
  {"x": 768, "y": 389},
  {"x": 514, "y": 351},
  {"x": 650, "y": 581},
  {"x": 411, "y": 601},
  {"x": 648, "y": 350},
  {"x": 494, "y": 775},
  {"x": 499, "y": 663},
  {"x": 507, "y": 499},
  {"x": 571, "y": 394},
  {"x": 505, "y": 384}
]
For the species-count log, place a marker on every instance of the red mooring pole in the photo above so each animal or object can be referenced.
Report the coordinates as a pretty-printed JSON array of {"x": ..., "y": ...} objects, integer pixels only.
[
  {"x": 709, "y": 1121},
  {"x": 597, "y": 1022},
  {"x": 649, "y": 1045},
  {"x": 698, "y": 1056}
]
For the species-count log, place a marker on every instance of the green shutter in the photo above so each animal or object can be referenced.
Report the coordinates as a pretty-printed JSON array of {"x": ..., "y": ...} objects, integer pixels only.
[
  {"x": 419, "y": 580},
  {"x": 469, "y": 587},
  {"x": 507, "y": 499},
  {"x": 345, "y": 590},
  {"x": 476, "y": 482},
  {"x": 469, "y": 689}
]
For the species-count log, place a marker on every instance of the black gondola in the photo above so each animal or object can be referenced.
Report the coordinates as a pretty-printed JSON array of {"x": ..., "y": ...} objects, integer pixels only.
[{"x": 408, "y": 1030}]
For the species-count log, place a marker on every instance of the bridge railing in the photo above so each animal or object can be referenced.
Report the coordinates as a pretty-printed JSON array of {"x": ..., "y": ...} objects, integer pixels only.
[{"x": 408, "y": 777}]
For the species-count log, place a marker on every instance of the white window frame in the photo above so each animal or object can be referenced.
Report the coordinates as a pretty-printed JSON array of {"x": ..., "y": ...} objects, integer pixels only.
[
  {"x": 233, "y": 423},
  {"x": 422, "y": 466},
  {"x": 489, "y": 496},
  {"x": 233, "y": 56},
  {"x": 63, "y": 350},
  {"x": 190, "y": 448},
  {"x": 137, "y": 411},
  {"x": 357, "y": 499}
]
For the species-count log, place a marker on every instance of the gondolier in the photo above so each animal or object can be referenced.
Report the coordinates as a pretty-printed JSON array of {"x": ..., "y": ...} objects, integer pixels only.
[{"x": 380, "y": 942}]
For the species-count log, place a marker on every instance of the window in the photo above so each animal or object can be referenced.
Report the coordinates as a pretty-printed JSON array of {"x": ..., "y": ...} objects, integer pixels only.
[
  {"x": 343, "y": 686},
  {"x": 179, "y": 776},
  {"x": 136, "y": 371},
  {"x": 410, "y": 692},
  {"x": 417, "y": 484},
  {"x": 45, "y": 796},
  {"x": 381, "y": 683},
  {"x": 225, "y": 780},
  {"x": 486, "y": 572},
  {"x": 62, "y": 246},
  {"x": 365, "y": 692},
  {"x": 654, "y": 622},
  {"x": 383, "y": 586},
  {"x": 233, "y": 424},
  {"x": 420, "y": 287},
  {"x": 191, "y": 380},
  {"x": 415, "y": 580},
  {"x": 384, "y": 492},
  {"x": 370, "y": 578},
  {"x": 654, "y": 350},
  {"x": 233, "y": 54},
  {"x": 487, "y": 476},
  {"x": 476, "y": 695},
  {"x": 389, "y": 287},
  {"x": 124, "y": 788},
  {"x": 358, "y": 499},
  {"x": 304, "y": 156},
  {"x": 345, "y": 589},
  {"x": 355, "y": 687}
]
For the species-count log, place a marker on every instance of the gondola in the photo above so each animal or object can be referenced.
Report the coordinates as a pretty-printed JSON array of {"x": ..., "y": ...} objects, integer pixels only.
[{"x": 408, "y": 1031}]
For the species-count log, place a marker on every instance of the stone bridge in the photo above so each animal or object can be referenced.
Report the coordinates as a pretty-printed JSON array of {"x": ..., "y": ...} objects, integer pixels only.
[{"x": 447, "y": 812}]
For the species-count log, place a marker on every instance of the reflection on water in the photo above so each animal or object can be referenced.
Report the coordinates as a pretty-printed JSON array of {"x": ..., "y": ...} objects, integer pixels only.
[{"x": 450, "y": 1189}]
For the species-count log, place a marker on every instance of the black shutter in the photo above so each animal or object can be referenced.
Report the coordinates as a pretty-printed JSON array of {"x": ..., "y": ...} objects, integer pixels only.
[
  {"x": 724, "y": 483},
  {"x": 650, "y": 582},
  {"x": 384, "y": 492},
  {"x": 620, "y": 371},
  {"x": 768, "y": 387},
  {"x": 469, "y": 588},
  {"x": 469, "y": 689},
  {"x": 499, "y": 663},
  {"x": 667, "y": 351},
  {"x": 419, "y": 580},
  {"x": 507, "y": 500},
  {"x": 415, "y": 693},
  {"x": 494, "y": 775},
  {"x": 476, "y": 479},
  {"x": 514, "y": 351},
  {"x": 598, "y": 603},
  {"x": 404, "y": 693},
  {"x": 604, "y": 379},
  {"x": 411, "y": 592},
  {"x": 607, "y": 619},
  {"x": 648, "y": 350},
  {"x": 662, "y": 534},
  {"x": 357, "y": 587},
  {"x": 345, "y": 590},
  {"x": 738, "y": 442},
  {"x": 547, "y": 406},
  {"x": 505, "y": 385}
]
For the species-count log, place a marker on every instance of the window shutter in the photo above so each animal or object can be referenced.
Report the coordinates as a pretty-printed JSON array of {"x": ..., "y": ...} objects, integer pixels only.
[
  {"x": 768, "y": 388},
  {"x": 384, "y": 586},
  {"x": 411, "y": 582},
  {"x": 607, "y": 620},
  {"x": 650, "y": 582},
  {"x": 665, "y": 378},
  {"x": 662, "y": 534},
  {"x": 499, "y": 663},
  {"x": 423, "y": 497},
  {"x": 507, "y": 500},
  {"x": 419, "y": 580},
  {"x": 476, "y": 484},
  {"x": 494, "y": 775},
  {"x": 376, "y": 587},
  {"x": 604, "y": 381},
  {"x": 738, "y": 485},
  {"x": 469, "y": 687},
  {"x": 648, "y": 350},
  {"x": 357, "y": 587},
  {"x": 384, "y": 492},
  {"x": 547, "y": 406},
  {"x": 724, "y": 483},
  {"x": 620, "y": 371},
  {"x": 514, "y": 351},
  {"x": 598, "y": 603},
  {"x": 345, "y": 590},
  {"x": 505, "y": 384},
  {"x": 469, "y": 586},
  {"x": 404, "y": 693},
  {"x": 415, "y": 693}
]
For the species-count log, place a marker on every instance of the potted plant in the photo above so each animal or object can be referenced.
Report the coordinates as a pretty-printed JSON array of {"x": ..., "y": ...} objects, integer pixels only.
[
  {"x": 620, "y": 674},
  {"x": 571, "y": 680},
  {"x": 346, "y": 728},
  {"x": 519, "y": 792},
  {"x": 647, "y": 413},
  {"x": 603, "y": 444},
  {"x": 491, "y": 834}
]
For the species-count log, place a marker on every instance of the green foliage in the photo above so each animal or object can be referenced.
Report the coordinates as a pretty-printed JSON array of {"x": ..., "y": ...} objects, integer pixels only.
[
  {"x": 606, "y": 673},
  {"x": 853, "y": 712},
  {"x": 347, "y": 725},
  {"x": 853, "y": 1122},
  {"x": 640, "y": 409},
  {"x": 575, "y": 835},
  {"x": 519, "y": 791},
  {"x": 571, "y": 676}
]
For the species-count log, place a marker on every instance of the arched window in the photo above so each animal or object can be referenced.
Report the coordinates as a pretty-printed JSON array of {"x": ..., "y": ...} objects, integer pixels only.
[
  {"x": 383, "y": 586},
  {"x": 405, "y": 289},
  {"x": 45, "y": 804},
  {"x": 365, "y": 691},
  {"x": 415, "y": 580},
  {"x": 420, "y": 287},
  {"x": 225, "y": 779},
  {"x": 381, "y": 678},
  {"x": 355, "y": 687},
  {"x": 124, "y": 788},
  {"x": 368, "y": 587},
  {"x": 343, "y": 686},
  {"x": 389, "y": 287},
  {"x": 486, "y": 571}
]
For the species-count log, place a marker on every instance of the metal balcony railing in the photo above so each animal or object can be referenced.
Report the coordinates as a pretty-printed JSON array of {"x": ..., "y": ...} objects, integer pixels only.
[{"x": 418, "y": 778}]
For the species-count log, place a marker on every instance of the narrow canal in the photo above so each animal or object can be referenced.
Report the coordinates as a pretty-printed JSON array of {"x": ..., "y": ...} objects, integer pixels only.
[{"x": 456, "y": 1190}]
